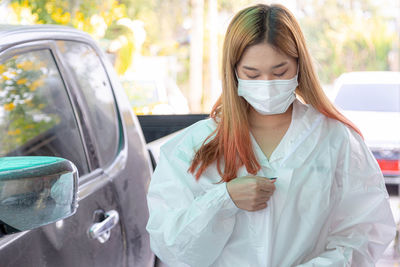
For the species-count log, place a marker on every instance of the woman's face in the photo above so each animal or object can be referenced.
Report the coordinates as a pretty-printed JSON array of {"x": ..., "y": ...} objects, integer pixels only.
[{"x": 263, "y": 62}]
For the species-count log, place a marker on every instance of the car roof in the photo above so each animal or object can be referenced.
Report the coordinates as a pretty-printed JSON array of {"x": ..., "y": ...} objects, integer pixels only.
[
  {"x": 370, "y": 77},
  {"x": 15, "y": 34}
]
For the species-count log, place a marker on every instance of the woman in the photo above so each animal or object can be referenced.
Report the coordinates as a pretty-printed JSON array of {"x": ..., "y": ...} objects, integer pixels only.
[{"x": 212, "y": 198}]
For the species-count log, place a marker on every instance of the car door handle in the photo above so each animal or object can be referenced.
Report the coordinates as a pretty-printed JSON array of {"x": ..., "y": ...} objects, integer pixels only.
[{"x": 101, "y": 230}]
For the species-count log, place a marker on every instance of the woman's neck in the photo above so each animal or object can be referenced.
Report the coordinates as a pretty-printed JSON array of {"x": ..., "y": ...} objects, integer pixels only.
[{"x": 259, "y": 122}]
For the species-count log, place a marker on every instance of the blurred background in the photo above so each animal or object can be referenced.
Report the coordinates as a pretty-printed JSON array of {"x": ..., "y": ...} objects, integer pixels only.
[{"x": 167, "y": 54}]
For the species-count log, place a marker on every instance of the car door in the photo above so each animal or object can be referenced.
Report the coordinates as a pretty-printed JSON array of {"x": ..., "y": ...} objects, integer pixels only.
[
  {"x": 41, "y": 113},
  {"x": 117, "y": 138}
]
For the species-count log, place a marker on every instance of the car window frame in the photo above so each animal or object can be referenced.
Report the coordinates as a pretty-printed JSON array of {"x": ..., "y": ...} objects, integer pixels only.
[
  {"x": 49, "y": 45},
  {"x": 119, "y": 161},
  {"x": 85, "y": 110}
]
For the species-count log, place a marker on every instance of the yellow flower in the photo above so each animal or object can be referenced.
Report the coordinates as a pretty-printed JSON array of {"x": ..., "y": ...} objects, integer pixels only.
[
  {"x": 25, "y": 4},
  {"x": 5, "y": 77},
  {"x": 65, "y": 18},
  {"x": 17, "y": 131},
  {"x": 60, "y": 17},
  {"x": 22, "y": 81},
  {"x": 2, "y": 68},
  {"x": 49, "y": 7},
  {"x": 79, "y": 16},
  {"x": 36, "y": 84},
  {"x": 29, "y": 126},
  {"x": 9, "y": 106},
  {"x": 25, "y": 65}
]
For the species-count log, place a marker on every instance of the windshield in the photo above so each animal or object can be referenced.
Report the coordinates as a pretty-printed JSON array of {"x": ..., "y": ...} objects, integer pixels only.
[{"x": 369, "y": 97}]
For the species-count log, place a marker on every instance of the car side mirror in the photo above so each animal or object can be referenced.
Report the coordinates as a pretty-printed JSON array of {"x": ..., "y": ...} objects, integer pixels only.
[{"x": 35, "y": 191}]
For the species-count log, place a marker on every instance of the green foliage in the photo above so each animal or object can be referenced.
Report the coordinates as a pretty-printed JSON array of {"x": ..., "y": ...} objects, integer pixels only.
[
  {"x": 21, "y": 104},
  {"x": 346, "y": 36},
  {"x": 87, "y": 15},
  {"x": 125, "y": 53},
  {"x": 342, "y": 35}
]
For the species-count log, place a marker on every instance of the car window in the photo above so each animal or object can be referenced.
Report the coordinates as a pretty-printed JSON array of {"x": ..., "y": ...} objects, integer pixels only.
[
  {"x": 369, "y": 97},
  {"x": 36, "y": 116},
  {"x": 94, "y": 86}
]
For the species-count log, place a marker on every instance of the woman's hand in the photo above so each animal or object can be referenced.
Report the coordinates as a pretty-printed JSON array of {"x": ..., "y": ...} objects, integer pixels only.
[{"x": 250, "y": 192}]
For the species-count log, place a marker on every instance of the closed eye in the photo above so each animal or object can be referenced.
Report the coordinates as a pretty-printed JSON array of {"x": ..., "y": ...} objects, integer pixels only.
[
  {"x": 281, "y": 74},
  {"x": 252, "y": 77}
]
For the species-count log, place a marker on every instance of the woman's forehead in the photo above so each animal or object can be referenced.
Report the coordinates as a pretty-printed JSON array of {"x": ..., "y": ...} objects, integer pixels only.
[{"x": 264, "y": 55}]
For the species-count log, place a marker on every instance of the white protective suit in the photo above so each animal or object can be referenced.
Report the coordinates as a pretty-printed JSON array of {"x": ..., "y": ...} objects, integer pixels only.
[{"x": 330, "y": 206}]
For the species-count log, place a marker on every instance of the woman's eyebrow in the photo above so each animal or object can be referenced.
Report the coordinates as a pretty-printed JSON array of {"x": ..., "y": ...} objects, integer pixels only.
[
  {"x": 250, "y": 68},
  {"x": 280, "y": 65},
  {"x": 273, "y": 67}
]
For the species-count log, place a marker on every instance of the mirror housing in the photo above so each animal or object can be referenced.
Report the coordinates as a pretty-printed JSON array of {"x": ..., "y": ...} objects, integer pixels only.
[{"x": 35, "y": 191}]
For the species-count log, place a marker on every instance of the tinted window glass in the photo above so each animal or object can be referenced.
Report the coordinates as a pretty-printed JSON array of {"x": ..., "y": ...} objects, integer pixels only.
[
  {"x": 95, "y": 88},
  {"x": 369, "y": 97},
  {"x": 36, "y": 117}
]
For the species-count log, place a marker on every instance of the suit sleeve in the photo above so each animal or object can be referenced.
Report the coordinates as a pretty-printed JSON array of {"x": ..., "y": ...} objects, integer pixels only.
[
  {"x": 187, "y": 228},
  {"x": 363, "y": 225}
]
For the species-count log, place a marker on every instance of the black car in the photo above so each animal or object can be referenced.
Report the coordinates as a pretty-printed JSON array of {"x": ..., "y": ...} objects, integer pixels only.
[{"x": 60, "y": 97}]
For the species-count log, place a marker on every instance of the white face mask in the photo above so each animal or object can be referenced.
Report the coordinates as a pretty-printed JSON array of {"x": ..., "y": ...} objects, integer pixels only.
[{"x": 268, "y": 96}]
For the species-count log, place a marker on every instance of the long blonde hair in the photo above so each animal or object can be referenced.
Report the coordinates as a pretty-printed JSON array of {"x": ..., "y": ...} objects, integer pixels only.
[{"x": 231, "y": 141}]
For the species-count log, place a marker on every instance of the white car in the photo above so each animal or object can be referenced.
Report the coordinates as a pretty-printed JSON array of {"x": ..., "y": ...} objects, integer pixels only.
[{"x": 371, "y": 100}]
